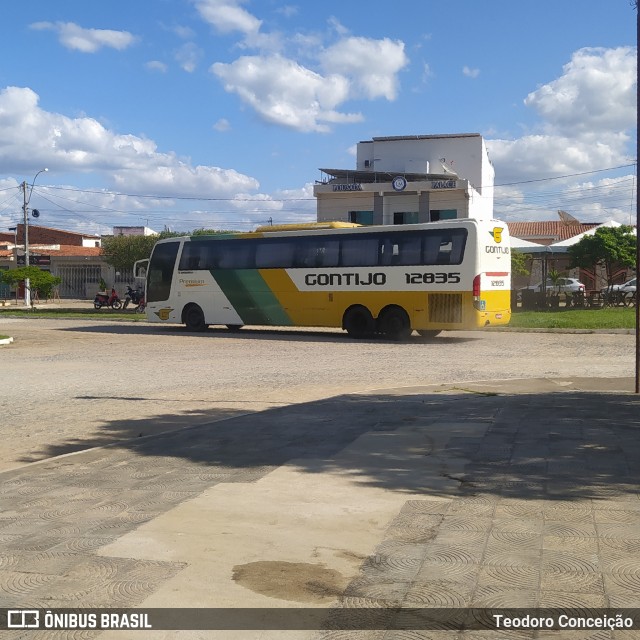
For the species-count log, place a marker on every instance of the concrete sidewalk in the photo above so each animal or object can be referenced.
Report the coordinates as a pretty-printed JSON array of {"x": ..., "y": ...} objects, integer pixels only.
[{"x": 499, "y": 494}]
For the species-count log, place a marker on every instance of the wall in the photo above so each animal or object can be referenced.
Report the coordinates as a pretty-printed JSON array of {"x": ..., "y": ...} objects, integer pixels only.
[{"x": 466, "y": 154}]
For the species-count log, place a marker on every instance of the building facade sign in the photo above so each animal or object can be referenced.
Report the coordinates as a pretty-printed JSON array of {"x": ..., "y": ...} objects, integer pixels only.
[
  {"x": 399, "y": 183},
  {"x": 443, "y": 184},
  {"x": 356, "y": 186}
]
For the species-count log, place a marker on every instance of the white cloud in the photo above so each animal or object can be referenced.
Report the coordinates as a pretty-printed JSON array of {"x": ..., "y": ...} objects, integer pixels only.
[
  {"x": 586, "y": 118},
  {"x": 337, "y": 26},
  {"x": 75, "y": 37},
  {"x": 286, "y": 93},
  {"x": 469, "y": 72},
  {"x": 546, "y": 156},
  {"x": 228, "y": 16},
  {"x": 33, "y": 137},
  {"x": 222, "y": 125},
  {"x": 156, "y": 65},
  {"x": 288, "y": 11},
  {"x": 587, "y": 115},
  {"x": 188, "y": 56},
  {"x": 596, "y": 92},
  {"x": 186, "y": 33},
  {"x": 372, "y": 66}
]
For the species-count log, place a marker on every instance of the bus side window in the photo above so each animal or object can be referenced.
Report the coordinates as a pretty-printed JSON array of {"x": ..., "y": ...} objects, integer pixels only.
[
  {"x": 452, "y": 248},
  {"x": 444, "y": 252},
  {"x": 305, "y": 256},
  {"x": 359, "y": 252},
  {"x": 409, "y": 249},
  {"x": 431, "y": 248},
  {"x": 274, "y": 255},
  {"x": 193, "y": 256},
  {"x": 237, "y": 255},
  {"x": 163, "y": 261},
  {"x": 389, "y": 253},
  {"x": 329, "y": 254},
  {"x": 458, "y": 242},
  {"x": 313, "y": 255}
]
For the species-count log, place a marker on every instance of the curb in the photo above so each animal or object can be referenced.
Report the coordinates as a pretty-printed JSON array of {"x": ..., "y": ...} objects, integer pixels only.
[{"x": 557, "y": 330}]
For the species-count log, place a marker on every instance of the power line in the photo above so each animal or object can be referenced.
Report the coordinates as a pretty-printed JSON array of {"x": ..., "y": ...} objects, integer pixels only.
[{"x": 567, "y": 175}]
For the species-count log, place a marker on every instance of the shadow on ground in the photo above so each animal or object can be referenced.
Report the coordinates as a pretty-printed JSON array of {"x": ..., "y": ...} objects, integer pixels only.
[
  {"x": 565, "y": 445},
  {"x": 250, "y": 333}
]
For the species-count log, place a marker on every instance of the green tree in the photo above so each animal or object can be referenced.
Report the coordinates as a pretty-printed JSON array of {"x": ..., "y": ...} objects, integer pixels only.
[
  {"x": 121, "y": 252},
  {"x": 210, "y": 232},
  {"x": 609, "y": 247},
  {"x": 41, "y": 281},
  {"x": 519, "y": 264}
]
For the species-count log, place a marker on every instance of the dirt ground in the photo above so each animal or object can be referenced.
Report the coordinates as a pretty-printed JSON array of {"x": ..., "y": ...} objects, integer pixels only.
[{"x": 73, "y": 384}]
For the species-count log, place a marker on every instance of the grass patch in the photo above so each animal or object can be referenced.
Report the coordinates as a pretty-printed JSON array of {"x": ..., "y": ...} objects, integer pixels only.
[
  {"x": 89, "y": 314},
  {"x": 610, "y": 318}
]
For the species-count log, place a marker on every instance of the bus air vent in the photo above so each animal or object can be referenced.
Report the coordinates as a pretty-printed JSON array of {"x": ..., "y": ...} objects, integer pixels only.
[{"x": 445, "y": 307}]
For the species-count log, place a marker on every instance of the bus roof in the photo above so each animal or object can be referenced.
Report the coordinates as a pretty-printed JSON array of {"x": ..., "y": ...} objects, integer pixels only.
[
  {"x": 324, "y": 228},
  {"x": 307, "y": 226}
]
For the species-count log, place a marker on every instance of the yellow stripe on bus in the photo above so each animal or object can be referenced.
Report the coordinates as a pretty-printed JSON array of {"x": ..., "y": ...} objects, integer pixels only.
[{"x": 325, "y": 309}]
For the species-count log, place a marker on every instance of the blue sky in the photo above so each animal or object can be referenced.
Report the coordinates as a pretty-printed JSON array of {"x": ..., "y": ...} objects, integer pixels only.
[{"x": 225, "y": 109}]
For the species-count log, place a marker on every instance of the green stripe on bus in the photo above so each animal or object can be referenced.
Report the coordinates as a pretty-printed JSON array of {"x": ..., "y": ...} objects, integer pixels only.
[{"x": 251, "y": 297}]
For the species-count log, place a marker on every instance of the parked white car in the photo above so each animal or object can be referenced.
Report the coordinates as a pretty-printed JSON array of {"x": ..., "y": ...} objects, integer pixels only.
[
  {"x": 564, "y": 285},
  {"x": 626, "y": 287}
]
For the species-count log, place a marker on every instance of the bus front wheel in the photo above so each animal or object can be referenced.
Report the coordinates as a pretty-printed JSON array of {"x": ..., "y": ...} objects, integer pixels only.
[
  {"x": 394, "y": 324},
  {"x": 193, "y": 318},
  {"x": 358, "y": 322}
]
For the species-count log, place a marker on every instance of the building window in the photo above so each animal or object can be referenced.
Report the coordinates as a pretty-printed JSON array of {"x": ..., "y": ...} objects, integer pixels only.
[
  {"x": 443, "y": 214},
  {"x": 361, "y": 217},
  {"x": 405, "y": 217}
]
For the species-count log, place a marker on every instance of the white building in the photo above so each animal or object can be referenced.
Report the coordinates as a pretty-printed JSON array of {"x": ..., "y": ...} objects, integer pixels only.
[
  {"x": 410, "y": 179},
  {"x": 133, "y": 231}
]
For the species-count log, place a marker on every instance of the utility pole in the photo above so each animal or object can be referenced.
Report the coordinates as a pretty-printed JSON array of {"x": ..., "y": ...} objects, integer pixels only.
[
  {"x": 25, "y": 231},
  {"x": 25, "y": 211},
  {"x": 637, "y": 385}
]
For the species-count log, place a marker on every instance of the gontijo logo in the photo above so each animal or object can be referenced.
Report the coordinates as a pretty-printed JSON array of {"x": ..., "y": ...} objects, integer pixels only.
[
  {"x": 497, "y": 234},
  {"x": 163, "y": 313}
]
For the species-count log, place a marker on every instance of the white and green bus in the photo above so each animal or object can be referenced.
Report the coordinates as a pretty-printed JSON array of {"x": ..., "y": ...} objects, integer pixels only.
[{"x": 387, "y": 280}]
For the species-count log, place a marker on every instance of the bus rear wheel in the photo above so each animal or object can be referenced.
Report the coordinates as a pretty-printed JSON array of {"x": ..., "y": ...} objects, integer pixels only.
[
  {"x": 359, "y": 322},
  {"x": 394, "y": 324},
  {"x": 193, "y": 318}
]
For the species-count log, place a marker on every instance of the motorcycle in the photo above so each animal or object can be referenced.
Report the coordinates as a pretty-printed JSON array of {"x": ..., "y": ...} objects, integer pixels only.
[
  {"x": 137, "y": 297},
  {"x": 104, "y": 299}
]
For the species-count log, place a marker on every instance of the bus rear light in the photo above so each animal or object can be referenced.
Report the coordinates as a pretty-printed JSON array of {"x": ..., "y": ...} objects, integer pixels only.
[{"x": 476, "y": 286}]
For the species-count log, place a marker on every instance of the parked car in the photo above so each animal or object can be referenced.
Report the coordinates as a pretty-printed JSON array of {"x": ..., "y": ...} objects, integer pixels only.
[
  {"x": 564, "y": 285},
  {"x": 626, "y": 287}
]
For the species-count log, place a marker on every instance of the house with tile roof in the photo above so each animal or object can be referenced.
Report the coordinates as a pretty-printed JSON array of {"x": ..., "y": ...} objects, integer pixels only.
[
  {"x": 559, "y": 233},
  {"x": 75, "y": 257},
  {"x": 548, "y": 232}
]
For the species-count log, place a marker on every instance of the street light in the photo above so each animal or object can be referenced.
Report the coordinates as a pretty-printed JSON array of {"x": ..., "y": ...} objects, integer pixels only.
[{"x": 25, "y": 211}]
